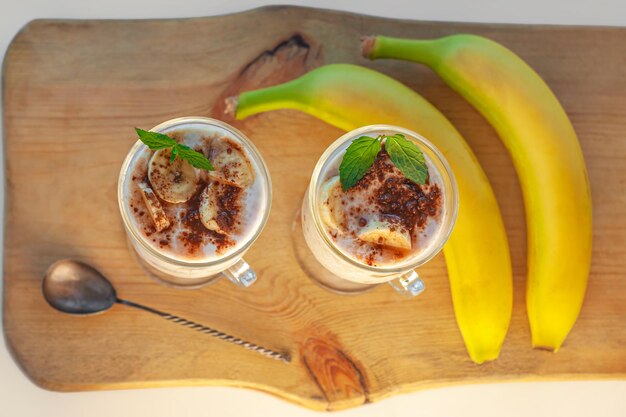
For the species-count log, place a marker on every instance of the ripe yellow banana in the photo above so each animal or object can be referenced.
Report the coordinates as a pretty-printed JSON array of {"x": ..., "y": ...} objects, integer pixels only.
[
  {"x": 477, "y": 254},
  {"x": 547, "y": 156}
]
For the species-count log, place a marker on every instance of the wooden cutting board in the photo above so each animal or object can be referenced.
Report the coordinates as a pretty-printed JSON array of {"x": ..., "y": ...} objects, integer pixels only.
[{"x": 73, "y": 90}]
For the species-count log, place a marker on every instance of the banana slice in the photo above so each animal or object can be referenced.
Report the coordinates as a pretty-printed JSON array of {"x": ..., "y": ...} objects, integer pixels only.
[
  {"x": 331, "y": 210},
  {"x": 230, "y": 163},
  {"x": 161, "y": 222},
  {"x": 208, "y": 209},
  {"x": 174, "y": 182},
  {"x": 384, "y": 233}
]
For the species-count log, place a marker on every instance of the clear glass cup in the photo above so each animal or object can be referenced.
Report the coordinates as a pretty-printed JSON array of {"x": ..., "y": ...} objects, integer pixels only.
[
  {"x": 339, "y": 272},
  {"x": 184, "y": 273}
]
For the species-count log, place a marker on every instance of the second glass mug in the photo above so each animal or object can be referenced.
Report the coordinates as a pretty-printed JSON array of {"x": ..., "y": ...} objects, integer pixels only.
[
  {"x": 184, "y": 273},
  {"x": 347, "y": 275}
]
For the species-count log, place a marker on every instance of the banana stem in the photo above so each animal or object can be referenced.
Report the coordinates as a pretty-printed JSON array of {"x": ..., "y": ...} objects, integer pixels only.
[
  {"x": 423, "y": 51},
  {"x": 265, "y": 99}
]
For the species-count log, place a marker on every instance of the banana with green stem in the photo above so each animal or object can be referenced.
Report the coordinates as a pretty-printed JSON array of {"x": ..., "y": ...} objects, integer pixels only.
[{"x": 477, "y": 254}]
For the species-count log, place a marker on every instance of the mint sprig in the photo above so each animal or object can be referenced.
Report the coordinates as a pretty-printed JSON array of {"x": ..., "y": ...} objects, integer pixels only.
[
  {"x": 358, "y": 158},
  {"x": 362, "y": 152},
  {"x": 196, "y": 159},
  {"x": 156, "y": 141},
  {"x": 407, "y": 157}
]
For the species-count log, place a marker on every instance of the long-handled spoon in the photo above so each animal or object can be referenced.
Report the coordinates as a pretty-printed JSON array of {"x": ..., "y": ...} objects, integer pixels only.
[{"x": 76, "y": 288}]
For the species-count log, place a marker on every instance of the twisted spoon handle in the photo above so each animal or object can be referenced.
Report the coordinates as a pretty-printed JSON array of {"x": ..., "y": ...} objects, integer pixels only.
[{"x": 283, "y": 357}]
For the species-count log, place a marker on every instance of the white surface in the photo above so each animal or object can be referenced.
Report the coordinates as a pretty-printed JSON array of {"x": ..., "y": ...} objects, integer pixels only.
[{"x": 19, "y": 397}]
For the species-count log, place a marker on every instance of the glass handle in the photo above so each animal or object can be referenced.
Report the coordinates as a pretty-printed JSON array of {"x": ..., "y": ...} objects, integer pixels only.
[
  {"x": 241, "y": 274},
  {"x": 408, "y": 284}
]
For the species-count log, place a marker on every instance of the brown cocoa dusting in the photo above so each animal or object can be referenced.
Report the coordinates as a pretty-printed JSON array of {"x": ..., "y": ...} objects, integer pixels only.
[
  {"x": 221, "y": 242},
  {"x": 229, "y": 207},
  {"x": 195, "y": 235},
  {"x": 375, "y": 251},
  {"x": 398, "y": 198}
]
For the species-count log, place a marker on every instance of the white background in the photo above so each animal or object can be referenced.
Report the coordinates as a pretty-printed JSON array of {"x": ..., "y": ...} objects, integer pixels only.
[{"x": 19, "y": 397}]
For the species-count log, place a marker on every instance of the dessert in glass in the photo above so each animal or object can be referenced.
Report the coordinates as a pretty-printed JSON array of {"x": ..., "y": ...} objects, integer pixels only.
[
  {"x": 384, "y": 225},
  {"x": 189, "y": 226}
]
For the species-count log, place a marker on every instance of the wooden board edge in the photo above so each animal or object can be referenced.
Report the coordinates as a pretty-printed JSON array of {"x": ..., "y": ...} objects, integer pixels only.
[
  {"x": 306, "y": 11},
  {"x": 62, "y": 387},
  {"x": 429, "y": 385},
  {"x": 311, "y": 403}
]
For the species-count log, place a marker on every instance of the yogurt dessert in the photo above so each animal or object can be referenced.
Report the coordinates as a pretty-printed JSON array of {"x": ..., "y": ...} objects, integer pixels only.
[
  {"x": 192, "y": 208},
  {"x": 392, "y": 216}
]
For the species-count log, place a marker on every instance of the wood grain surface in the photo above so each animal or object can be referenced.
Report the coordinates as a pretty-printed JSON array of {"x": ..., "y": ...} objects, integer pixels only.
[{"x": 73, "y": 91}]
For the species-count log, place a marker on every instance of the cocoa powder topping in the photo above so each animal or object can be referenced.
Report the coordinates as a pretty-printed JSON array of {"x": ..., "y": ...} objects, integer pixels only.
[{"x": 397, "y": 198}]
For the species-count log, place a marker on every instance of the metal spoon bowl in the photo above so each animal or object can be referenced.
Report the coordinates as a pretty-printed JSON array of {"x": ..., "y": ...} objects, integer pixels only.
[{"x": 77, "y": 288}]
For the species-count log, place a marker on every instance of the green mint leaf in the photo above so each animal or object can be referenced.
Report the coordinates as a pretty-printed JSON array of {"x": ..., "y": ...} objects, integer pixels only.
[
  {"x": 407, "y": 157},
  {"x": 154, "y": 140},
  {"x": 358, "y": 158},
  {"x": 196, "y": 159}
]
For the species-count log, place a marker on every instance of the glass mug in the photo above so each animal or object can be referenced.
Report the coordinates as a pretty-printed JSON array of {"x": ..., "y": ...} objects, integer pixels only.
[
  {"x": 175, "y": 271},
  {"x": 344, "y": 274}
]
